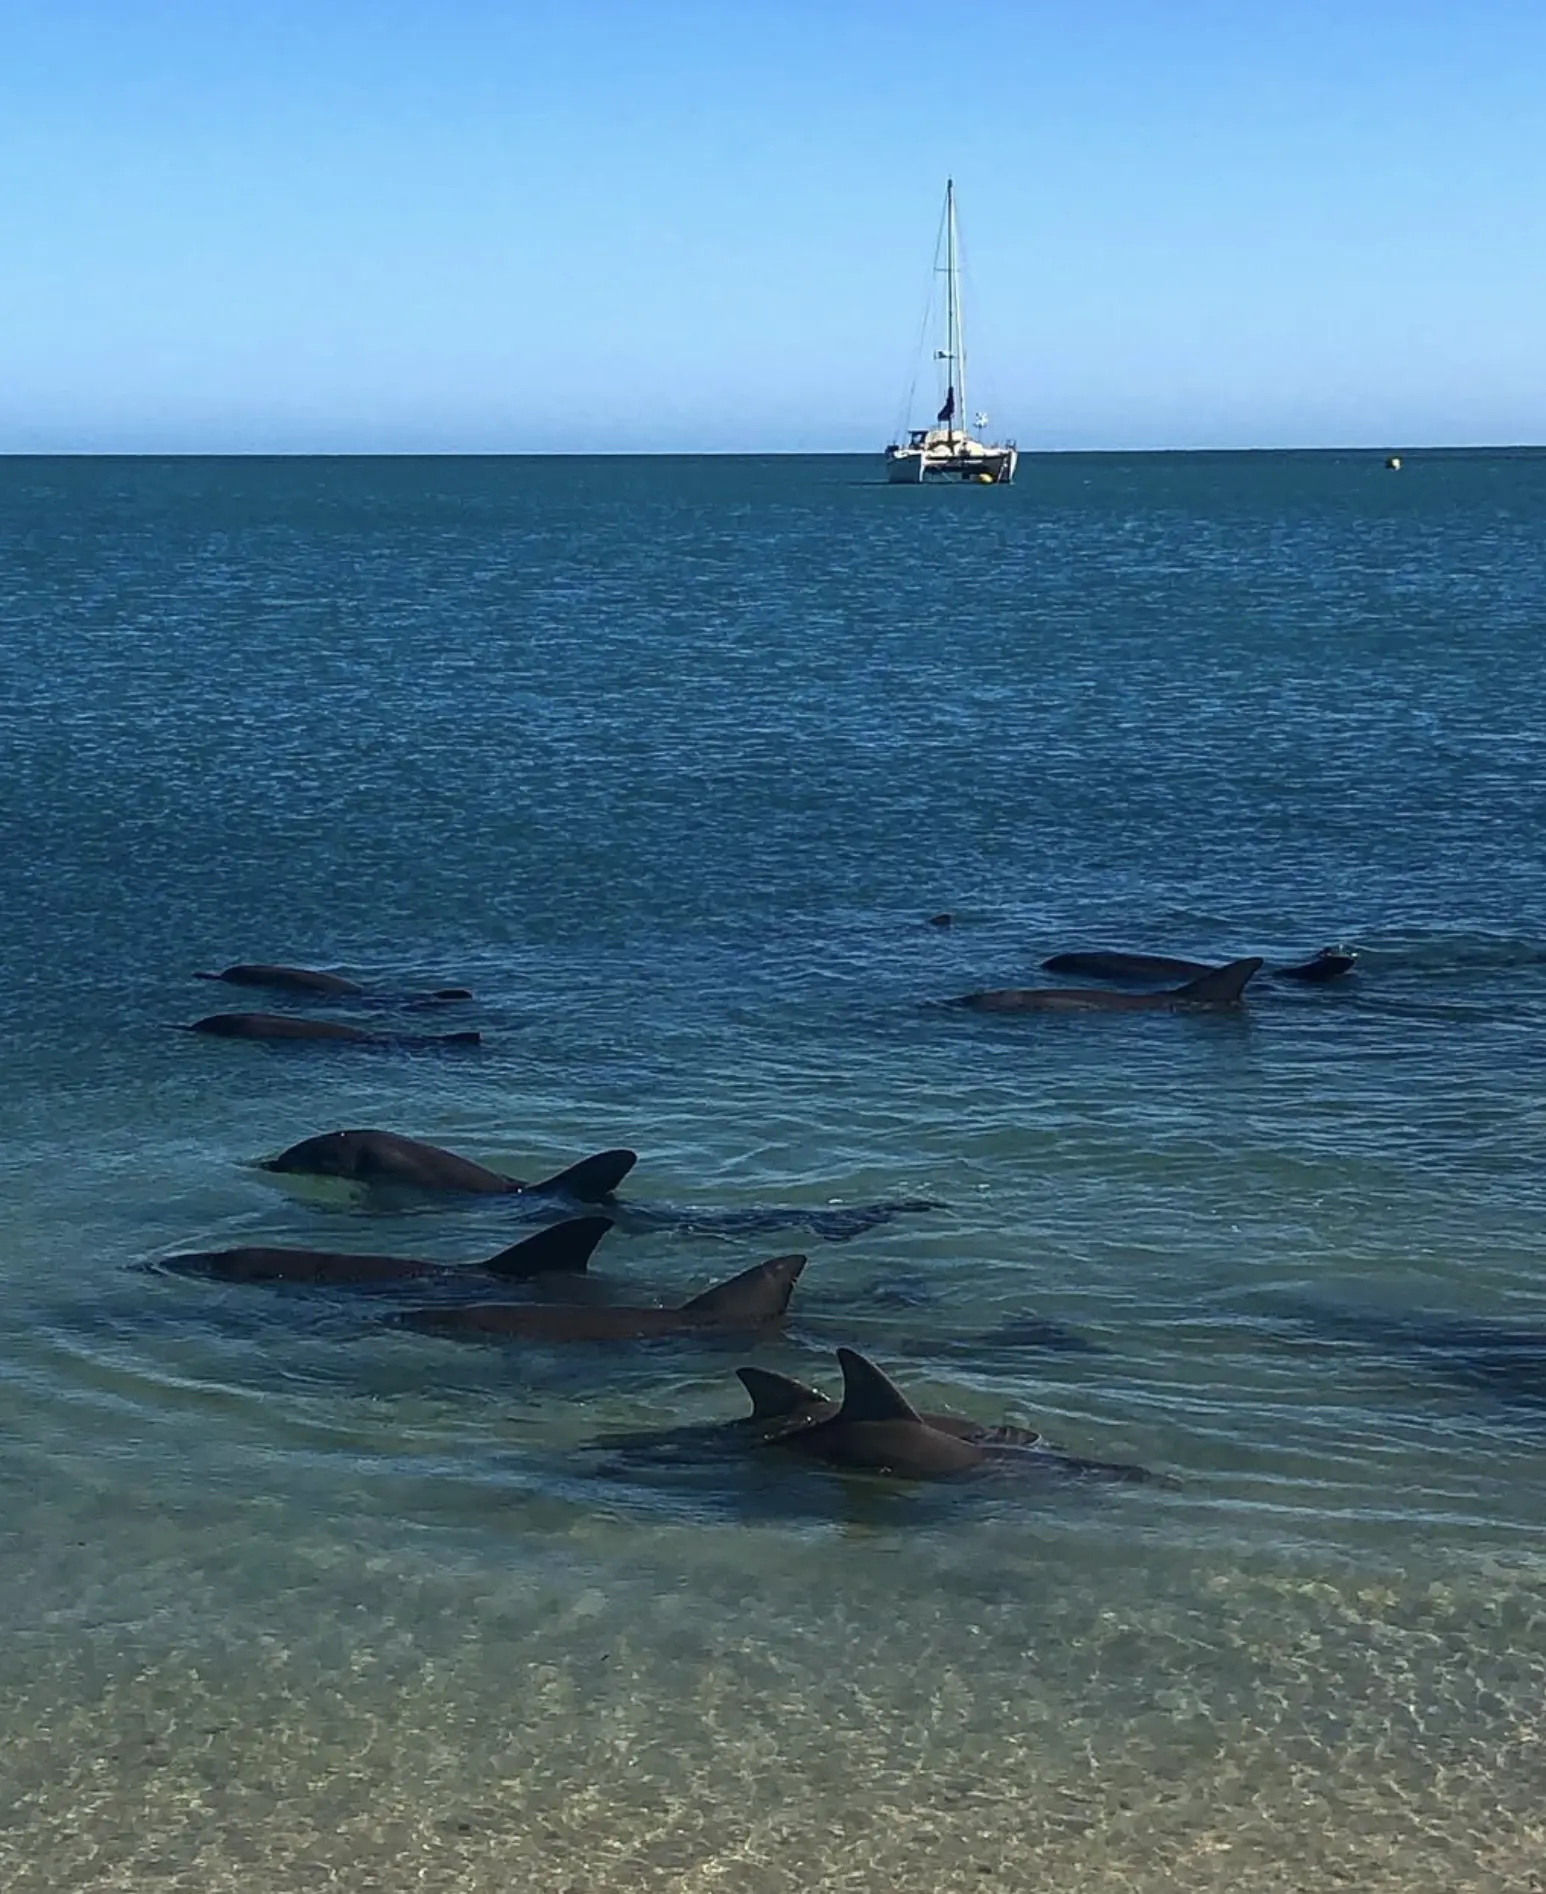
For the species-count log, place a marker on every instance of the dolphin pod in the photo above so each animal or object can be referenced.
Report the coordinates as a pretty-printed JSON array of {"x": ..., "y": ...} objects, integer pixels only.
[
  {"x": 1330, "y": 963},
  {"x": 754, "y": 1300},
  {"x": 284, "y": 1026},
  {"x": 559, "y": 1249},
  {"x": 1217, "y": 988},
  {"x": 387, "y": 1158},
  {"x": 306, "y": 980}
]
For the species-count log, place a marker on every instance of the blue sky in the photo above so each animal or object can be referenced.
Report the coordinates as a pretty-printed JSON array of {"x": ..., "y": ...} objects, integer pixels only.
[{"x": 391, "y": 225}]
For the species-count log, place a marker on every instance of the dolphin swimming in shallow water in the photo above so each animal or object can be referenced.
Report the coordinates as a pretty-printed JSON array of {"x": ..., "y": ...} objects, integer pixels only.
[
  {"x": 756, "y": 1299},
  {"x": 307, "y": 981},
  {"x": 1106, "y": 964},
  {"x": 1217, "y": 988},
  {"x": 559, "y": 1249},
  {"x": 876, "y": 1429},
  {"x": 387, "y": 1158},
  {"x": 873, "y": 1429},
  {"x": 284, "y": 1026}
]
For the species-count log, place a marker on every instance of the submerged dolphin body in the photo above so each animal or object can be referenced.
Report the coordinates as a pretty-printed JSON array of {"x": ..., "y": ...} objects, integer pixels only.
[
  {"x": 1330, "y": 963},
  {"x": 1503, "y": 1359},
  {"x": 754, "y": 1300},
  {"x": 284, "y": 1026},
  {"x": 309, "y": 982},
  {"x": 387, "y": 1158},
  {"x": 1217, "y": 988},
  {"x": 559, "y": 1249},
  {"x": 878, "y": 1430}
]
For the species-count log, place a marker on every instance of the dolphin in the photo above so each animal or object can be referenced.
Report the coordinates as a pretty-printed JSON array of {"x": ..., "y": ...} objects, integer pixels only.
[
  {"x": 756, "y": 1299},
  {"x": 385, "y": 1157},
  {"x": 1218, "y": 987},
  {"x": 559, "y": 1249},
  {"x": 304, "y": 980},
  {"x": 282, "y": 1026},
  {"x": 1106, "y": 964},
  {"x": 782, "y": 1405},
  {"x": 878, "y": 1430}
]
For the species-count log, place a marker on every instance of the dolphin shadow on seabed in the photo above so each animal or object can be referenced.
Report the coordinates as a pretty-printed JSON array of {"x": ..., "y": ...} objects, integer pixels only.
[
  {"x": 1504, "y": 1360},
  {"x": 394, "y": 1167}
]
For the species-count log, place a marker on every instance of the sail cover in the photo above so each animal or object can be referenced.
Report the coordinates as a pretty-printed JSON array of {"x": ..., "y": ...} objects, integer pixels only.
[{"x": 947, "y": 412}]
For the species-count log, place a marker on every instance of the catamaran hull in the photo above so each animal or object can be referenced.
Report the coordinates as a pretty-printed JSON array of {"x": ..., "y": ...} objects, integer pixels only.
[{"x": 909, "y": 467}]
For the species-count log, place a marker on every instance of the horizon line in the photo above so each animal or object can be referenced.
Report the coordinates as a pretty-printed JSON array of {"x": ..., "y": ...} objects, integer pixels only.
[{"x": 736, "y": 453}]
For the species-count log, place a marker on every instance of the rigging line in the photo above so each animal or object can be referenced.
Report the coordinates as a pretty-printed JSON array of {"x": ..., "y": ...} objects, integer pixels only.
[{"x": 901, "y": 430}]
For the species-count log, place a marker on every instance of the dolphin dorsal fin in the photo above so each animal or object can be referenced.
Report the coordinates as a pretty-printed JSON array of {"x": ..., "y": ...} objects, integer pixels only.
[
  {"x": 777, "y": 1396},
  {"x": 758, "y": 1294},
  {"x": 869, "y": 1395},
  {"x": 1220, "y": 986},
  {"x": 561, "y": 1249},
  {"x": 592, "y": 1179}
]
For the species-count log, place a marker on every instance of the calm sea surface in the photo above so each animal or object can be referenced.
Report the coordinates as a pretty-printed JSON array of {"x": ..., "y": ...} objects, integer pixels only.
[{"x": 670, "y": 762}]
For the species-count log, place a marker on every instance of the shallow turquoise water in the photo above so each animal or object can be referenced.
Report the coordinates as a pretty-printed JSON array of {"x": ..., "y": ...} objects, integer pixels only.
[{"x": 670, "y": 761}]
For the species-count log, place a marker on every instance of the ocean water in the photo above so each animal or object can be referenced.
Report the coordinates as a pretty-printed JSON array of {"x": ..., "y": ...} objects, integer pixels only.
[{"x": 670, "y": 761}]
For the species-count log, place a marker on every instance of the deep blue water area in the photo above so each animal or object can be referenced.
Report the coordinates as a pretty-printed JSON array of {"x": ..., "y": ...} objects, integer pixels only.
[{"x": 671, "y": 761}]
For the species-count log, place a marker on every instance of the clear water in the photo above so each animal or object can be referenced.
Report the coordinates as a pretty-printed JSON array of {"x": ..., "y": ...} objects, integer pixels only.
[{"x": 670, "y": 761}]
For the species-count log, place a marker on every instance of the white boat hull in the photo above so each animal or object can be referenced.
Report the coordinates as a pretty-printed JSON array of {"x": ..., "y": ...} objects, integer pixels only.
[{"x": 967, "y": 460}]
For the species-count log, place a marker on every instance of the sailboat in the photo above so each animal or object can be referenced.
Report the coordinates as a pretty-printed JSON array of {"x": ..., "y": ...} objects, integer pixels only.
[{"x": 947, "y": 451}]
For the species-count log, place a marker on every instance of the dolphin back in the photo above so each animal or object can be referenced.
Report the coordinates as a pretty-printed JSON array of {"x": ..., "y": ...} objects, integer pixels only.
[
  {"x": 590, "y": 1180},
  {"x": 758, "y": 1294},
  {"x": 1220, "y": 986},
  {"x": 562, "y": 1249}
]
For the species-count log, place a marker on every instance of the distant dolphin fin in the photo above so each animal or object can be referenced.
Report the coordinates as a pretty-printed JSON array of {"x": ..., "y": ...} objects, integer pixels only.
[
  {"x": 441, "y": 992},
  {"x": 591, "y": 1179},
  {"x": 756, "y": 1295},
  {"x": 457, "y": 1039},
  {"x": 777, "y": 1396},
  {"x": 1220, "y": 986},
  {"x": 869, "y": 1395},
  {"x": 561, "y": 1249}
]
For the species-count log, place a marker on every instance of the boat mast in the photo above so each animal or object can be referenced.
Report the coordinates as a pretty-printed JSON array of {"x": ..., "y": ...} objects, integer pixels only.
[{"x": 953, "y": 313}]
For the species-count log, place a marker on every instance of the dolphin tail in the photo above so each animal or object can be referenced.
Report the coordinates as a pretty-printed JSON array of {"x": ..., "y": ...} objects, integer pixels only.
[
  {"x": 591, "y": 1180},
  {"x": 778, "y": 1396},
  {"x": 1220, "y": 986},
  {"x": 869, "y": 1395},
  {"x": 561, "y": 1249},
  {"x": 758, "y": 1294}
]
